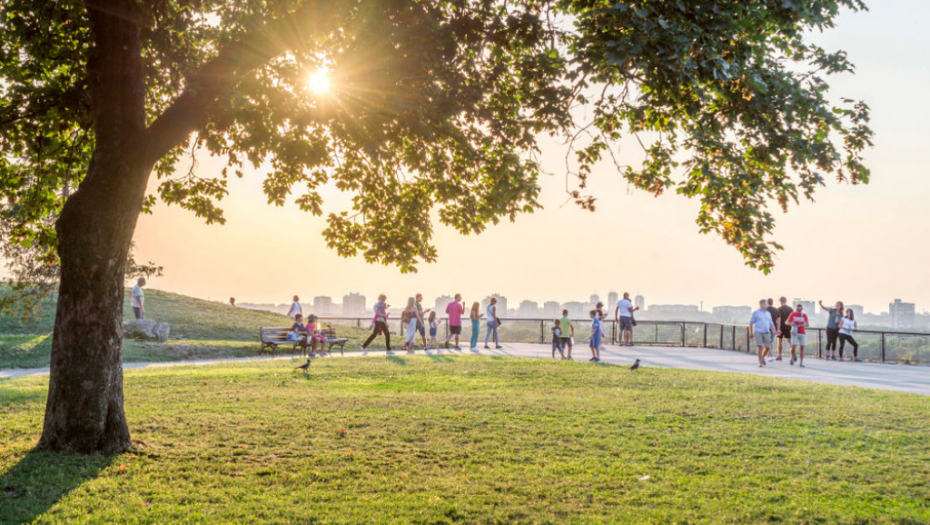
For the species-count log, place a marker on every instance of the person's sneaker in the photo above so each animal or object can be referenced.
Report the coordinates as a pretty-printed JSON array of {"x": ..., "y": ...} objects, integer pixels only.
[
  {"x": 486, "y": 347},
  {"x": 498, "y": 347},
  {"x": 593, "y": 359},
  {"x": 801, "y": 365},
  {"x": 791, "y": 362},
  {"x": 778, "y": 358},
  {"x": 389, "y": 352},
  {"x": 760, "y": 366},
  {"x": 856, "y": 359},
  {"x": 447, "y": 345}
]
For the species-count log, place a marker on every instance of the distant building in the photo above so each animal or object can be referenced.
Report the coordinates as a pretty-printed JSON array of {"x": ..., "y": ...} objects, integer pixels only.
[
  {"x": 528, "y": 309},
  {"x": 857, "y": 309},
  {"x": 575, "y": 310},
  {"x": 501, "y": 304},
  {"x": 810, "y": 307},
  {"x": 902, "y": 315},
  {"x": 612, "y": 299},
  {"x": 323, "y": 305},
  {"x": 552, "y": 309},
  {"x": 732, "y": 314},
  {"x": 674, "y": 308},
  {"x": 595, "y": 299},
  {"x": 441, "y": 303},
  {"x": 353, "y": 304},
  {"x": 640, "y": 302}
]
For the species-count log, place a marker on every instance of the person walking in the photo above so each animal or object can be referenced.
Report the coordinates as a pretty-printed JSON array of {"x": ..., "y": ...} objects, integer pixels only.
[
  {"x": 455, "y": 310},
  {"x": 848, "y": 325},
  {"x": 799, "y": 322},
  {"x": 784, "y": 329},
  {"x": 623, "y": 315},
  {"x": 557, "y": 338},
  {"x": 833, "y": 327},
  {"x": 420, "y": 326},
  {"x": 475, "y": 316},
  {"x": 776, "y": 319},
  {"x": 296, "y": 308},
  {"x": 137, "y": 299},
  {"x": 493, "y": 323},
  {"x": 762, "y": 328},
  {"x": 411, "y": 318},
  {"x": 381, "y": 315}
]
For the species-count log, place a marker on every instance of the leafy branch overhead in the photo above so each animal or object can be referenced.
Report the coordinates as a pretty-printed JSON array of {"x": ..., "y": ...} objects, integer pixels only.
[{"x": 436, "y": 106}]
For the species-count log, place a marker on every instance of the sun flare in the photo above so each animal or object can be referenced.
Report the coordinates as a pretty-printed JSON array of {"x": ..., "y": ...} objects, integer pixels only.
[{"x": 319, "y": 82}]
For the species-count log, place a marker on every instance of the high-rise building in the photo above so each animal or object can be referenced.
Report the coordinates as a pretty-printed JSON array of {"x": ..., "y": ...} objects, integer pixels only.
[
  {"x": 501, "y": 304},
  {"x": 441, "y": 303},
  {"x": 902, "y": 314},
  {"x": 732, "y": 314},
  {"x": 810, "y": 307},
  {"x": 673, "y": 308},
  {"x": 857, "y": 309},
  {"x": 575, "y": 310},
  {"x": 528, "y": 309},
  {"x": 353, "y": 304},
  {"x": 595, "y": 299},
  {"x": 640, "y": 302},
  {"x": 612, "y": 299},
  {"x": 551, "y": 310},
  {"x": 323, "y": 305}
]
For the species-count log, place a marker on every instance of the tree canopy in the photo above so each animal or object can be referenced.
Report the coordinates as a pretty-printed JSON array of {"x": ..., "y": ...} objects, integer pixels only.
[{"x": 436, "y": 106}]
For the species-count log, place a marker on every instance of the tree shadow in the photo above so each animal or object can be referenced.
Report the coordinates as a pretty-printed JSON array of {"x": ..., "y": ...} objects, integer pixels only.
[{"x": 41, "y": 479}]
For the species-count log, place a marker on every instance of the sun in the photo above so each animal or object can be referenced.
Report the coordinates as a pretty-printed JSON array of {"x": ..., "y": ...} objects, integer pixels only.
[{"x": 319, "y": 82}]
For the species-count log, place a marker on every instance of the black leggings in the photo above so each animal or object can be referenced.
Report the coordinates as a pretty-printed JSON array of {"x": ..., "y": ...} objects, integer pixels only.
[
  {"x": 380, "y": 327},
  {"x": 843, "y": 339},
  {"x": 832, "y": 333}
]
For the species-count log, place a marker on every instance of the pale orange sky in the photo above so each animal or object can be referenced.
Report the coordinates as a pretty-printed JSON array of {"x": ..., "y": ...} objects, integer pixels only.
[{"x": 865, "y": 245}]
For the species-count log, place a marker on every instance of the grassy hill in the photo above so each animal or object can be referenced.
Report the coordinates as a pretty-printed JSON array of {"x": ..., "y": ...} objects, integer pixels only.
[
  {"x": 199, "y": 329},
  {"x": 443, "y": 440}
]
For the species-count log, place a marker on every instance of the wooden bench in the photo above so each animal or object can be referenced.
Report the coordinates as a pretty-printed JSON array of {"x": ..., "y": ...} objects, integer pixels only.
[
  {"x": 273, "y": 337},
  {"x": 332, "y": 340}
]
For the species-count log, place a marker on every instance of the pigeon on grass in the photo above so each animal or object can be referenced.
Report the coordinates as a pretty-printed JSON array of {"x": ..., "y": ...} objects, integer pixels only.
[
  {"x": 304, "y": 367},
  {"x": 635, "y": 365}
]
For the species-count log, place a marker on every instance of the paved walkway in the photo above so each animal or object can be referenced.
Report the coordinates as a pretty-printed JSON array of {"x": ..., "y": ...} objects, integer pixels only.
[{"x": 900, "y": 378}]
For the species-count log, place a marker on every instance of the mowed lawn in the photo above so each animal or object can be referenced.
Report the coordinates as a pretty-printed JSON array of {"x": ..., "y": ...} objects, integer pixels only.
[
  {"x": 199, "y": 330},
  {"x": 436, "y": 439}
]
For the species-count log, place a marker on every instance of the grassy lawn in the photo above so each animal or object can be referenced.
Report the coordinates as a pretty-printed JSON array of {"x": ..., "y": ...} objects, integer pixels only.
[
  {"x": 199, "y": 329},
  {"x": 437, "y": 439}
]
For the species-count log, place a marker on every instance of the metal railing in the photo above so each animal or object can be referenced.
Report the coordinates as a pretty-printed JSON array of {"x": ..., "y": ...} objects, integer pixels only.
[{"x": 874, "y": 345}]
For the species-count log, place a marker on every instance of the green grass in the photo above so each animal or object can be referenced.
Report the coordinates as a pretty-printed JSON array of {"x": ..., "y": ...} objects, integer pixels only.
[
  {"x": 476, "y": 440},
  {"x": 199, "y": 329}
]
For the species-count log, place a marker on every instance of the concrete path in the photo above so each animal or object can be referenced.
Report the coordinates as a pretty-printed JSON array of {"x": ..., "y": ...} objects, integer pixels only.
[{"x": 900, "y": 378}]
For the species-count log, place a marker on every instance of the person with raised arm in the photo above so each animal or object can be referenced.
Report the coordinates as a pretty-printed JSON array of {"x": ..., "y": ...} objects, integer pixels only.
[{"x": 833, "y": 327}]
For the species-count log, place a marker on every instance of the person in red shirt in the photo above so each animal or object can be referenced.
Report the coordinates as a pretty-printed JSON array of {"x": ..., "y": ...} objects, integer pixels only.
[
  {"x": 798, "y": 322},
  {"x": 455, "y": 310}
]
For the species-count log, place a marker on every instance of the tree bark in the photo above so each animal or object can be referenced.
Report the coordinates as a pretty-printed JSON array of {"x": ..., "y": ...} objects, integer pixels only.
[{"x": 84, "y": 412}]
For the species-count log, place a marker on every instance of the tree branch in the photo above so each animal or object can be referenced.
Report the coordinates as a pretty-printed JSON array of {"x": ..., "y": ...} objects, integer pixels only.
[{"x": 270, "y": 38}]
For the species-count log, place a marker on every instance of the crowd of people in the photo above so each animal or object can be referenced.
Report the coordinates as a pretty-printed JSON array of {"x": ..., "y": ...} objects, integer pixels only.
[
  {"x": 767, "y": 325},
  {"x": 785, "y": 323}
]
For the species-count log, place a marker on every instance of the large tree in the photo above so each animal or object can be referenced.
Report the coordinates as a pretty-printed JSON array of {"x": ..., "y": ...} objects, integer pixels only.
[{"x": 436, "y": 106}]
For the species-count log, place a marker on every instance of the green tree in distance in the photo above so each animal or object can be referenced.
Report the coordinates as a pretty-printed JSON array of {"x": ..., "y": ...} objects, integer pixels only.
[{"x": 436, "y": 105}]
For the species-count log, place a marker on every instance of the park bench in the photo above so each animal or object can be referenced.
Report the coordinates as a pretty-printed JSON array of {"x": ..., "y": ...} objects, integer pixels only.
[
  {"x": 332, "y": 340},
  {"x": 273, "y": 337}
]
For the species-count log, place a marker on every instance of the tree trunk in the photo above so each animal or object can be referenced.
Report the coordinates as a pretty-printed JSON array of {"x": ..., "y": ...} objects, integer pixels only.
[{"x": 84, "y": 412}]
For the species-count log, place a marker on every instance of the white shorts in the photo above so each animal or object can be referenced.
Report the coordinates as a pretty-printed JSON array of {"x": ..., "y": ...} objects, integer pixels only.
[
  {"x": 798, "y": 339},
  {"x": 764, "y": 339}
]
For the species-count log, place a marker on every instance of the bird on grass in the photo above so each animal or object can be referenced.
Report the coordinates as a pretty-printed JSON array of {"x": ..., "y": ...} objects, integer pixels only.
[
  {"x": 635, "y": 365},
  {"x": 304, "y": 367}
]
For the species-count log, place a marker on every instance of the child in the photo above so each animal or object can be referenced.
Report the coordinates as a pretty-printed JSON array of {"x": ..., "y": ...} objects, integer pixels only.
[
  {"x": 568, "y": 333},
  {"x": 597, "y": 330},
  {"x": 433, "y": 327},
  {"x": 557, "y": 338},
  {"x": 297, "y": 329},
  {"x": 315, "y": 336}
]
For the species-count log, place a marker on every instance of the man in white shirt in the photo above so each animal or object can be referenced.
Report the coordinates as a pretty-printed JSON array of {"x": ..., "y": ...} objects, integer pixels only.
[
  {"x": 762, "y": 328},
  {"x": 137, "y": 299},
  {"x": 623, "y": 315}
]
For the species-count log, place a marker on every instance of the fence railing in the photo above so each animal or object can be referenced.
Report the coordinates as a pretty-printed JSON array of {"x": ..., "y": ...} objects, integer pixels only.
[{"x": 874, "y": 345}]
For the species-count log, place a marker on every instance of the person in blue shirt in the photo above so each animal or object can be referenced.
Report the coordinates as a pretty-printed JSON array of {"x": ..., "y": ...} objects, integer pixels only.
[{"x": 762, "y": 329}]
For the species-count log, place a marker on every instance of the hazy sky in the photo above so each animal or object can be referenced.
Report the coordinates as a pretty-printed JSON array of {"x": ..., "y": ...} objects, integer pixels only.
[{"x": 865, "y": 245}]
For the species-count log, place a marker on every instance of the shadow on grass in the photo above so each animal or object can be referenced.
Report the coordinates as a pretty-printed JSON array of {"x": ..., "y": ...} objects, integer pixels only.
[
  {"x": 441, "y": 358},
  {"x": 41, "y": 479},
  {"x": 397, "y": 360}
]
